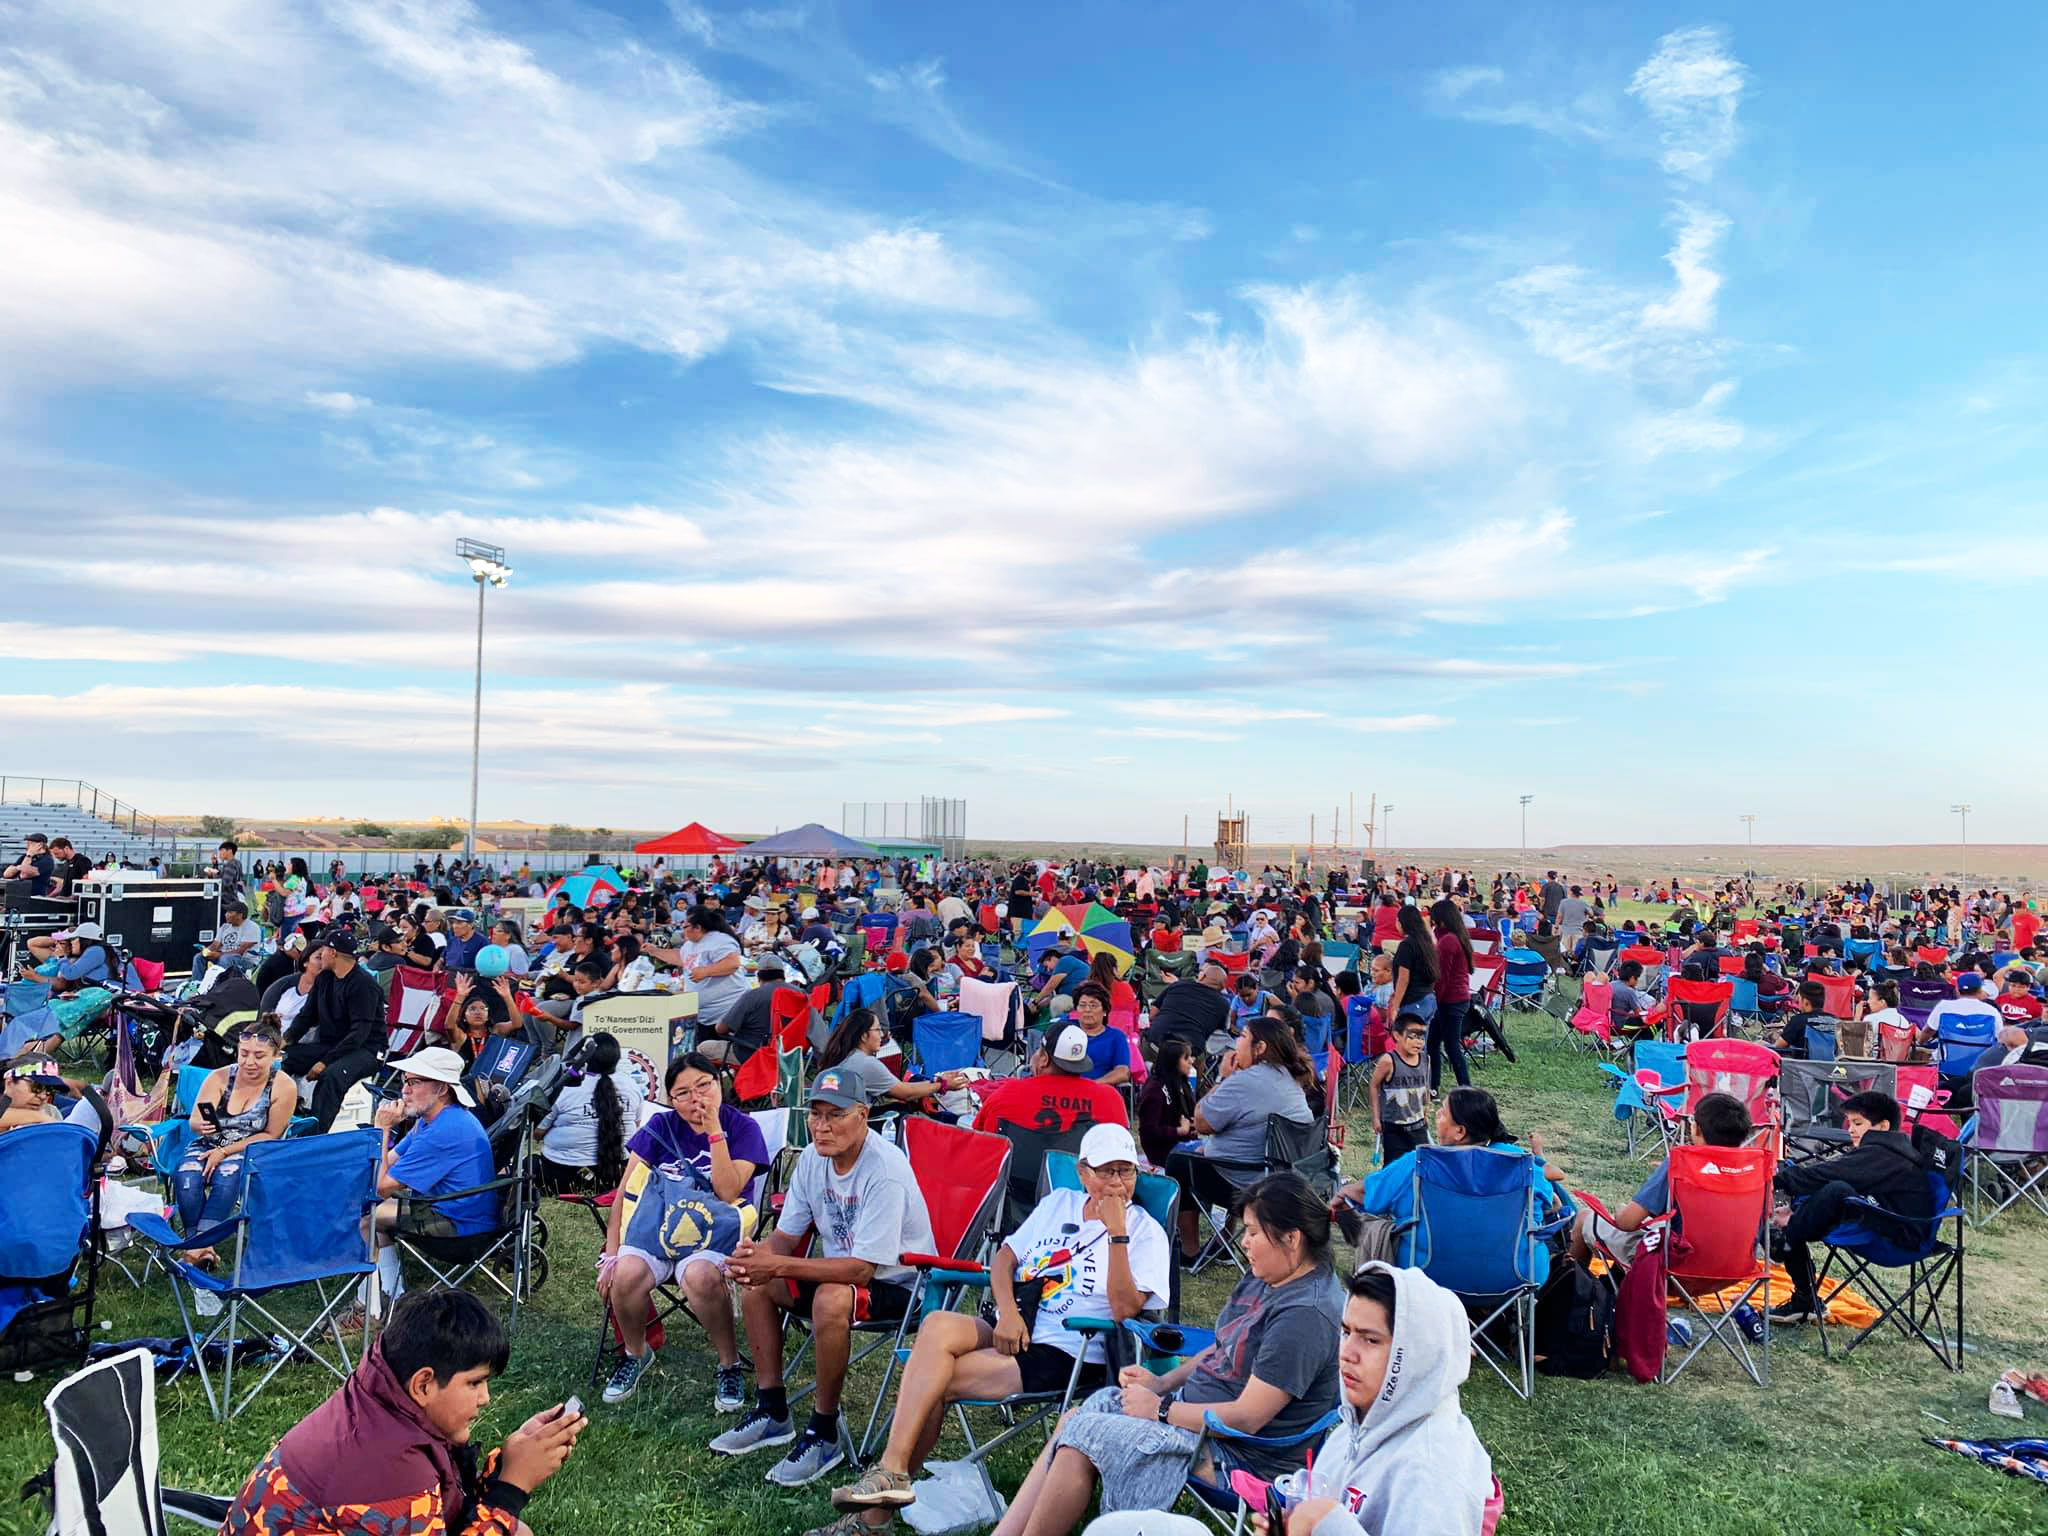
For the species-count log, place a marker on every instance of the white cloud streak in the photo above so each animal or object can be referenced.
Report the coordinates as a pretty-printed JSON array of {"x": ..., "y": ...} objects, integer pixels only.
[{"x": 1691, "y": 87}]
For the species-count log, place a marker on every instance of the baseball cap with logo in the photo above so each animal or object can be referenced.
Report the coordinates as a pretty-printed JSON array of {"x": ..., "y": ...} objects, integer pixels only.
[
  {"x": 82, "y": 931},
  {"x": 1069, "y": 1050},
  {"x": 841, "y": 1090},
  {"x": 1106, "y": 1144}
]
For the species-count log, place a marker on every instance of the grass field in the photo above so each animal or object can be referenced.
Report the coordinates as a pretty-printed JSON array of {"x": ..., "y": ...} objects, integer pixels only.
[{"x": 1832, "y": 1446}]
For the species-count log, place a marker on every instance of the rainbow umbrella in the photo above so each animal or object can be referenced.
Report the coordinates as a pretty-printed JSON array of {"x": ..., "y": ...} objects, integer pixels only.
[
  {"x": 1100, "y": 931},
  {"x": 586, "y": 890}
]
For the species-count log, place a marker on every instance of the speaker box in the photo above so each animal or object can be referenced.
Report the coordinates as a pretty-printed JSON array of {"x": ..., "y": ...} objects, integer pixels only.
[{"x": 161, "y": 920}]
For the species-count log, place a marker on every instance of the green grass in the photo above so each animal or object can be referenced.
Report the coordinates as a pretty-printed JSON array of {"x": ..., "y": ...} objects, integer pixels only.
[{"x": 1832, "y": 1447}]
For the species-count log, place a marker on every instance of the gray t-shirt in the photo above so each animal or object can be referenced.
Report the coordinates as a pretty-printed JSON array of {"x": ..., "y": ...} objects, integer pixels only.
[
  {"x": 874, "y": 1212},
  {"x": 233, "y": 938},
  {"x": 1572, "y": 913},
  {"x": 1287, "y": 1336},
  {"x": 1238, "y": 1107},
  {"x": 720, "y": 992}
]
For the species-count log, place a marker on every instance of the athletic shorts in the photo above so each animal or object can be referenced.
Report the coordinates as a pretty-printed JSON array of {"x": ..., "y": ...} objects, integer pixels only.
[
  {"x": 1047, "y": 1367},
  {"x": 879, "y": 1301}
]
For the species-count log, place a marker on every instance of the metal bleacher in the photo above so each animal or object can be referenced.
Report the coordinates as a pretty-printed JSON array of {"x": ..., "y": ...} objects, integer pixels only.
[{"x": 92, "y": 835}]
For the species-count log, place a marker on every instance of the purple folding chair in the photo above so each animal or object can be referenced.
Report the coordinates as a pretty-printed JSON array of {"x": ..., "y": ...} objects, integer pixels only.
[
  {"x": 2006, "y": 1145},
  {"x": 1918, "y": 995}
]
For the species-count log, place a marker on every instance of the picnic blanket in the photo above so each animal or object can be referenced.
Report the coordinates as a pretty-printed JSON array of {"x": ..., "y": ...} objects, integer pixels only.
[{"x": 1846, "y": 1308}]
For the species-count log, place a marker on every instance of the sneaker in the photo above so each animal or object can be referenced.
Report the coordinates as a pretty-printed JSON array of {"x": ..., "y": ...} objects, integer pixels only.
[
  {"x": 753, "y": 1433},
  {"x": 626, "y": 1376},
  {"x": 731, "y": 1394},
  {"x": 1794, "y": 1309},
  {"x": 879, "y": 1489},
  {"x": 808, "y": 1460},
  {"x": 850, "y": 1525}
]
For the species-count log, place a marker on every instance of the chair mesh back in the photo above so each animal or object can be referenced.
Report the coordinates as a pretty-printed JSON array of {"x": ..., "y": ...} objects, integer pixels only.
[
  {"x": 1811, "y": 1092},
  {"x": 2012, "y": 1109},
  {"x": 946, "y": 1042},
  {"x": 962, "y": 1174},
  {"x": 1739, "y": 1067},
  {"x": 304, "y": 1201}
]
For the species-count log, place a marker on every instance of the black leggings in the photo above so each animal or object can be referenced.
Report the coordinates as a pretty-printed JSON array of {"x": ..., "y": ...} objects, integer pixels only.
[
  {"x": 1447, "y": 1036},
  {"x": 1813, "y": 1218}
]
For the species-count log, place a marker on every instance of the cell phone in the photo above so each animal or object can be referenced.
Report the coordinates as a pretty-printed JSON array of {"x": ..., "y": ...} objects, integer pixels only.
[{"x": 573, "y": 1409}]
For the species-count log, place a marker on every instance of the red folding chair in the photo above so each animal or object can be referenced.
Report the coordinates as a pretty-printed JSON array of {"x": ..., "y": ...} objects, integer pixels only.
[
  {"x": 1593, "y": 1023},
  {"x": 1720, "y": 1210},
  {"x": 962, "y": 1175},
  {"x": 1841, "y": 991},
  {"x": 1931, "y": 954},
  {"x": 1741, "y": 1068},
  {"x": 1731, "y": 965},
  {"x": 415, "y": 1010},
  {"x": 1236, "y": 965},
  {"x": 1696, "y": 1008},
  {"x": 1745, "y": 928}
]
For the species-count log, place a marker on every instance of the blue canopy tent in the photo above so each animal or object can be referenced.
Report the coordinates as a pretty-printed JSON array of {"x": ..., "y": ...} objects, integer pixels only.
[{"x": 811, "y": 841}]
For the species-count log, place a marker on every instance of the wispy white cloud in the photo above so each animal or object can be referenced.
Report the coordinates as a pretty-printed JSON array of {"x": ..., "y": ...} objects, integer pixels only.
[
  {"x": 1691, "y": 87},
  {"x": 1691, "y": 307}
]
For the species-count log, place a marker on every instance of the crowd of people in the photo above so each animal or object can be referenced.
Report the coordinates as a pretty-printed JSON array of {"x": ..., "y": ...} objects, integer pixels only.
[{"x": 1241, "y": 1001}]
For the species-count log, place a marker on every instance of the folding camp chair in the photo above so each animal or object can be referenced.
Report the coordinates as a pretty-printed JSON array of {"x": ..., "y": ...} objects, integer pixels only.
[
  {"x": 1655, "y": 1077},
  {"x": 1600, "y": 957},
  {"x": 1526, "y": 980},
  {"x": 1810, "y": 1095},
  {"x": 2006, "y": 1145},
  {"x": 1697, "y": 1010},
  {"x": 1292, "y": 1146},
  {"x": 668, "y": 1299},
  {"x": 1592, "y": 1023},
  {"x": 945, "y": 1042},
  {"x": 49, "y": 1248},
  {"x": 300, "y": 1221},
  {"x": 1030, "y": 1146},
  {"x": 961, "y": 1174},
  {"x": 1230, "y": 1507},
  {"x": 1918, "y": 995},
  {"x": 513, "y": 1255},
  {"x": 1475, "y": 1232},
  {"x": 1868, "y": 1245},
  {"x": 1741, "y": 1068},
  {"x": 1339, "y": 957},
  {"x": 1160, "y": 1198},
  {"x": 104, "y": 1478},
  {"x": 414, "y": 1010},
  {"x": 1720, "y": 1205}
]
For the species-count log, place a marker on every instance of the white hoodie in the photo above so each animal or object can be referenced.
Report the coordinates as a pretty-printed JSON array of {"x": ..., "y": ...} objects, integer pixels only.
[{"x": 1410, "y": 1465}]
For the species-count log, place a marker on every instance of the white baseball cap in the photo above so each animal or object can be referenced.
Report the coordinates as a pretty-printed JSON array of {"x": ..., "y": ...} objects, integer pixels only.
[
  {"x": 437, "y": 1064},
  {"x": 1106, "y": 1144},
  {"x": 82, "y": 931},
  {"x": 1069, "y": 1049}
]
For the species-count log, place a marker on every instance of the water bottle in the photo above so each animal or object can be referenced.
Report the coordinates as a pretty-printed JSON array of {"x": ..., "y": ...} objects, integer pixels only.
[{"x": 1750, "y": 1322}]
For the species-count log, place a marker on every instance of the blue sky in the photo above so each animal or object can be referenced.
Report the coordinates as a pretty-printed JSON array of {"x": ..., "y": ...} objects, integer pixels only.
[{"x": 1088, "y": 410}]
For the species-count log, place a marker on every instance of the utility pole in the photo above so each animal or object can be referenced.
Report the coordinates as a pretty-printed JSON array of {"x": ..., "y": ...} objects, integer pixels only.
[
  {"x": 1749, "y": 830},
  {"x": 1963, "y": 811},
  {"x": 1387, "y": 821},
  {"x": 1525, "y": 824}
]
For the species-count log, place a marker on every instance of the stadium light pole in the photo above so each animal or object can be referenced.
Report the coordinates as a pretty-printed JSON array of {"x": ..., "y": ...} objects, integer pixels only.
[
  {"x": 1963, "y": 811},
  {"x": 487, "y": 567},
  {"x": 1525, "y": 824},
  {"x": 1386, "y": 824},
  {"x": 1749, "y": 831}
]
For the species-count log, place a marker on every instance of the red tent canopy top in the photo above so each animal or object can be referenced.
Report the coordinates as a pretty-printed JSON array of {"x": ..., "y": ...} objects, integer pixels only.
[{"x": 695, "y": 838}]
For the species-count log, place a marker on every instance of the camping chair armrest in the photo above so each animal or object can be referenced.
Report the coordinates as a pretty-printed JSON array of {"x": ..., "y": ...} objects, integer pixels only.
[
  {"x": 1192, "y": 1340},
  {"x": 1097, "y": 1325},
  {"x": 164, "y": 1235},
  {"x": 1231, "y": 1162},
  {"x": 950, "y": 1266},
  {"x": 1211, "y": 1425},
  {"x": 1865, "y": 1203},
  {"x": 492, "y": 1188}
]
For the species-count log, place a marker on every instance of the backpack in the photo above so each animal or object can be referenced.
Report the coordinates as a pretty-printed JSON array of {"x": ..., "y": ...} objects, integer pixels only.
[{"x": 1575, "y": 1324}]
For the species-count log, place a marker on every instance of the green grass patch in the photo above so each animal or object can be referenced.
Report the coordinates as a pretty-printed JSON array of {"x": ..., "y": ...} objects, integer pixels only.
[{"x": 1832, "y": 1447}]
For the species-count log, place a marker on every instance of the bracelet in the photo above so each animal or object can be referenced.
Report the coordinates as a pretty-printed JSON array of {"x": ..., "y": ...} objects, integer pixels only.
[
  {"x": 715, "y": 1138},
  {"x": 1123, "y": 1241},
  {"x": 1165, "y": 1406}
]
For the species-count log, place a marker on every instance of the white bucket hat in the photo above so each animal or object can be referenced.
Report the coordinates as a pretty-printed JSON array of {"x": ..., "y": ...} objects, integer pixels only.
[{"x": 438, "y": 1064}]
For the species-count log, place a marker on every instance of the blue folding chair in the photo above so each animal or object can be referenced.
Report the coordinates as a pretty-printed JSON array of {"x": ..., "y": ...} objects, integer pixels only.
[
  {"x": 49, "y": 1263},
  {"x": 1339, "y": 957},
  {"x": 1475, "y": 1232},
  {"x": 1743, "y": 1002},
  {"x": 1160, "y": 1198},
  {"x": 946, "y": 1042},
  {"x": 1220, "y": 1502},
  {"x": 1866, "y": 950},
  {"x": 1865, "y": 1248},
  {"x": 300, "y": 1221},
  {"x": 1527, "y": 980},
  {"x": 1634, "y": 1101},
  {"x": 1316, "y": 1037}
]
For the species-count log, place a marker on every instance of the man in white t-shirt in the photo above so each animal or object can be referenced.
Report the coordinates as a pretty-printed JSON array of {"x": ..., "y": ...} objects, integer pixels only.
[{"x": 1091, "y": 1253}]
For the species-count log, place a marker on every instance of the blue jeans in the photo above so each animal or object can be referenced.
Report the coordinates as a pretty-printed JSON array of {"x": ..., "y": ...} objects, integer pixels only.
[
  {"x": 201, "y": 1199},
  {"x": 1447, "y": 1038}
]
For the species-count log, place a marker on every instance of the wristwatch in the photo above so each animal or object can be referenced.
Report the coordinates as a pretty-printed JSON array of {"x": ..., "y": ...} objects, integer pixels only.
[
  {"x": 1123, "y": 1240},
  {"x": 1165, "y": 1406}
]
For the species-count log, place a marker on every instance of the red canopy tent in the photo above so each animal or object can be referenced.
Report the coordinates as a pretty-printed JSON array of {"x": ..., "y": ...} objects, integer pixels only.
[{"x": 695, "y": 838}]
